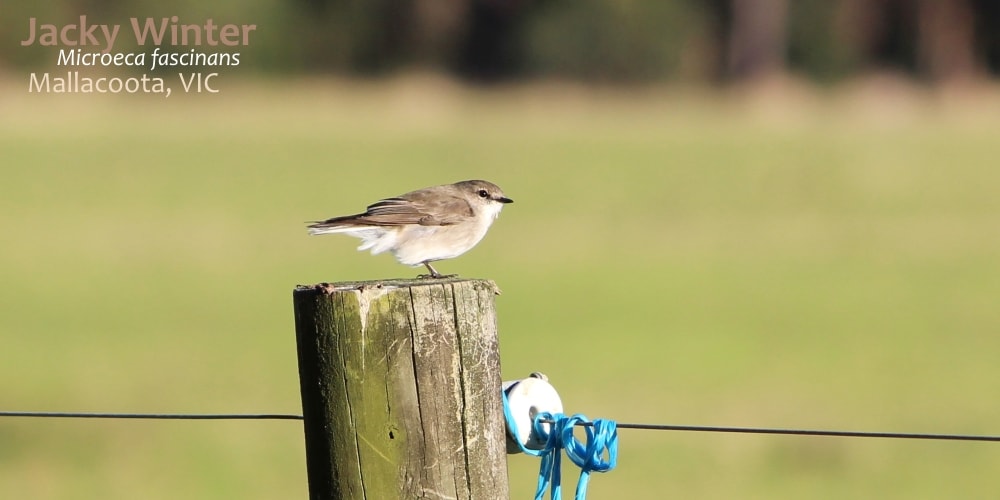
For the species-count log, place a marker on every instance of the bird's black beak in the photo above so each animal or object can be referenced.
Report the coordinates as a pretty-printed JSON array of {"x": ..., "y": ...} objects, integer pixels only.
[{"x": 504, "y": 199}]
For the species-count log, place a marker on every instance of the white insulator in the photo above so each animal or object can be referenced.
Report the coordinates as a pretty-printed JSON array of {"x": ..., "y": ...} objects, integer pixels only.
[{"x": 526, "y": 398}]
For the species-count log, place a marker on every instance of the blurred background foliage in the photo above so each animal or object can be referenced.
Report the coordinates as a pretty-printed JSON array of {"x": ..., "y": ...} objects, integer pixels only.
[{"x": 593, "y": 40}]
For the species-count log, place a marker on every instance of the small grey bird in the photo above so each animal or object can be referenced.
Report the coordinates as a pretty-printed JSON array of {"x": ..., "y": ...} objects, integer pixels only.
[{"x": 426, "y": 225}]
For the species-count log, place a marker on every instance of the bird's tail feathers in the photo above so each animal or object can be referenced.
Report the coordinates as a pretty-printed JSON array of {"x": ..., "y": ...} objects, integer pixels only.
[
  {"x": 374, "y": 238},
  {"x": 321, "y": 228},
  {"x": 344, "y": 224}
]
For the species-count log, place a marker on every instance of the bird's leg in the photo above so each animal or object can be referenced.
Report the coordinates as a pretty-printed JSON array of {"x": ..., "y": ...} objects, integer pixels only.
[{"x": 434, "y": 273}]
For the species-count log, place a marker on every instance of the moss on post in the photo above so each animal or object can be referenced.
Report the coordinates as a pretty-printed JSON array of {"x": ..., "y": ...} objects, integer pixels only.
[{"x": 400, "y": 389}]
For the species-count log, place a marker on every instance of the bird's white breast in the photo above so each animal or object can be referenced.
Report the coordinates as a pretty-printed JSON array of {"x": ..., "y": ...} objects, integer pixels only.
[{"x": 417, "y": 244}]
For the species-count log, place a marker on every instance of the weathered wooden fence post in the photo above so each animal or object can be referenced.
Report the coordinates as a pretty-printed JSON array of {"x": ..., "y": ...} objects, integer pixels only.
[{"x": 400, "y": 388}]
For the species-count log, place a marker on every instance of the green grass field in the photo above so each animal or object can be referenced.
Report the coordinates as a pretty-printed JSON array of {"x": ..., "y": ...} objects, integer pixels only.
[{"x": 739, "y": 259}]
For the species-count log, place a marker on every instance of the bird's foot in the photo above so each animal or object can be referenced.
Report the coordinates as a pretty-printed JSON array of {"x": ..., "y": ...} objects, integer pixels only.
[{"x": 435, "y": 276}]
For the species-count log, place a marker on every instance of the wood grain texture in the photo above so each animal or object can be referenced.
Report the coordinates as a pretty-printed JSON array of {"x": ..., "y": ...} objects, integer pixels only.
[{"x": 400, "y": 389}]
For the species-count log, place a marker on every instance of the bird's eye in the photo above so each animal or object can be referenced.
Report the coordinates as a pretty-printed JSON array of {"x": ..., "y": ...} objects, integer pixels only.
[{"x": 483, "y": 193}]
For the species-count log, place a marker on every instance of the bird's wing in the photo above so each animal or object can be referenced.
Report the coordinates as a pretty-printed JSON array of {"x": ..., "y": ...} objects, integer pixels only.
[
  {"x": 420, "y": 207},
  {"x": 417, "y": 207}
]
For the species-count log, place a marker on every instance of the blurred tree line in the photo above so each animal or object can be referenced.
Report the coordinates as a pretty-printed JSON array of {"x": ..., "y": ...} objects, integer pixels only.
[{"x": 598, "y": 40}]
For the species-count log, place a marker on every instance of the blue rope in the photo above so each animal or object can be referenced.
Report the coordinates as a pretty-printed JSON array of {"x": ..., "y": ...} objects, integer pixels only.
[{"x": 602, "y": 435}]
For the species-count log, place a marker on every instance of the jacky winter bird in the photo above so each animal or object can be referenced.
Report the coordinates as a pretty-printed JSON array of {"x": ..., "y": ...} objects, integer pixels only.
[{"x": 426, "y": 225}]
